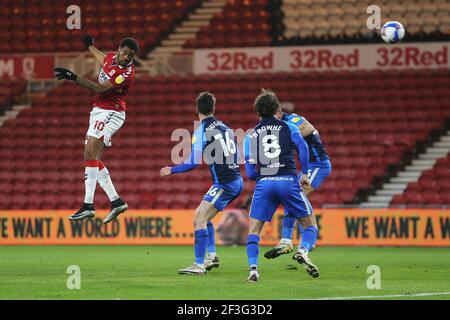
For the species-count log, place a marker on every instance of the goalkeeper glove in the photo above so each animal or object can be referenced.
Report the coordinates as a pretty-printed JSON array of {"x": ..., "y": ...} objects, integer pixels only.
[
  {"x": 88, "y": 41},
  {"x": 62, "y": 73}
]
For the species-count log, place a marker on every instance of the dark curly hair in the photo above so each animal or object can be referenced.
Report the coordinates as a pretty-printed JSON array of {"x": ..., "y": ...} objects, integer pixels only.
[{"x": 266, "y": 104}]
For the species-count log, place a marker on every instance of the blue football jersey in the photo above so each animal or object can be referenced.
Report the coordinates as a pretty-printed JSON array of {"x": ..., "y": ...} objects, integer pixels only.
[
  {"x": 217, "y": 144},
  {"x": 317, "y": 151},
  {"x": 270, "y": 148}
]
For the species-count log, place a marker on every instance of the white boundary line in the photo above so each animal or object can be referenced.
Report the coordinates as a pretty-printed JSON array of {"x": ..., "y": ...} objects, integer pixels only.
[{"x": 385, "y": 296}]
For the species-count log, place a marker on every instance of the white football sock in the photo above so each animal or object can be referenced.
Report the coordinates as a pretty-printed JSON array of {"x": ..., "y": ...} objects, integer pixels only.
[
  {"x": 302, "y": 250},
  {"x": 105, "y": 182},
  {"x": 90, "y": 180}
]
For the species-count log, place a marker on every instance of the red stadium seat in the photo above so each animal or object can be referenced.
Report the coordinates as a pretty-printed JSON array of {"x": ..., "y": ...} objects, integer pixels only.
[
  {"x": 44, "y": 168},
  {"x": 54, "y": 36}
]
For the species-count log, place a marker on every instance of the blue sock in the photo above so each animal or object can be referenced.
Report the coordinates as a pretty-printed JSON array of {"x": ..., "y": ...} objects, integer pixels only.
[
  {"x": 252, "y": 249},
  {"x": 201, "y": 237},
  {"x": 288, "y": 227},
  {"x": 211, "y": 240},
  {"x": 309, "y": 238}
]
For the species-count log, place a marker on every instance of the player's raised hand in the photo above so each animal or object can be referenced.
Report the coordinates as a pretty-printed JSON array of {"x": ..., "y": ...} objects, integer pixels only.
[
  {"x": 305, "y": 184},
  {"x": 166, "y": 171},
  {"x": 62, "y": 73},
  {"x": 88, "y": 41}
]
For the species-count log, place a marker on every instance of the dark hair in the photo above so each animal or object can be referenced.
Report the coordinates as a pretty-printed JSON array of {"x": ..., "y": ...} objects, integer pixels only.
[
  {"x": 267, "y": 104},
  {"x": 206, "y": 102},
  {"x": 130, "y": 43}
]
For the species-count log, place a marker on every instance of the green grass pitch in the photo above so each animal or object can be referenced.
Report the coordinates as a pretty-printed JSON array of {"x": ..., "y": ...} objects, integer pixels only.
[{"x": 150, "y": 272}]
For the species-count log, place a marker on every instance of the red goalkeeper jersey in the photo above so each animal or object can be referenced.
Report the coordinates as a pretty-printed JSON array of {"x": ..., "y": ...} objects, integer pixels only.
[{"x": 121, "y": 79}]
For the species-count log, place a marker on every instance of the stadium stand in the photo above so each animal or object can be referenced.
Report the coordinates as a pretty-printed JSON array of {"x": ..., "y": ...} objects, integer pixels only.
[
  {"x": 433, "y": 187},
  {"x": 367, "y": 121},
  {"x": 245, "y": 23},
  {"x": 5, "y": 97},
  {"x": 311, "y": 21},
  {"x": 242, "y": 23},
  {"x": 40, "y": 25},
  {"x": 8, "y": 90}
]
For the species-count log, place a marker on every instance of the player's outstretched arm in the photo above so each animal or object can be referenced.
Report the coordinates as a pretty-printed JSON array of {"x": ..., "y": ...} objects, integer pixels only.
[
  {"x": 193, "y": 162},
  {"x": 97, "y": 87},
  {"x": 195, "y": 159},
  {"x": 89, "y": 43},
  {"x": 62, "y": 73}
]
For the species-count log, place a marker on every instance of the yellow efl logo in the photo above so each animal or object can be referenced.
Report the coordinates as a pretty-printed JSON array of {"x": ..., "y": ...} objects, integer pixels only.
[
  {"x": 194, "y": 139},
  {"x": 296, "y": 119},
  {"x": 120, "y": 79}
]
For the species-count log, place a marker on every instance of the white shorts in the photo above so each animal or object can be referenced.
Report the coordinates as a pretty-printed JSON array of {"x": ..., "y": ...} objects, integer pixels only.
[{"x": 104, "y": 123}]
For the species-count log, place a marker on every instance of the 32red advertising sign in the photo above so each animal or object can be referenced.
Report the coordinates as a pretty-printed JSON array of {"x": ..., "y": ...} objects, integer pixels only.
[{"x": 321, "y": 58}]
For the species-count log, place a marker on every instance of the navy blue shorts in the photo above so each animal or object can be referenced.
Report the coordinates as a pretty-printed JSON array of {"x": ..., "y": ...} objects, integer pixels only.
[
  {"x": 221, "y": 195},
  {"x": 270, "y": 192}
]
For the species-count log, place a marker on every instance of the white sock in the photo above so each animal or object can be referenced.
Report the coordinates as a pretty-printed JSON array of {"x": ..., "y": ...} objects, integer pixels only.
[
  {"x": 211, "y": 254},
  {"x": 104, "y": 180},
  {"x": 302, "y": 250},
  {"x": 90, "y": 180},
  {"x": 286, "y": 240}
]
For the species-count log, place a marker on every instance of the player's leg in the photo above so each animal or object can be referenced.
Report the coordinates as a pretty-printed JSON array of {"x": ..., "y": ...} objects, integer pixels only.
[
  {"x": 106, "y": 124},
  {"x": 298, "y": 206},
  {"x": 320, "y": 170},
  {"x": 309, "y": 239},
  {"x": 212, "y": 260},
  {"x": 264, "y": 204},
  {"x": 255, "y": 227},
  {"x": 285, "y": 245},
  {"x": 92, "y": 150},
  {"x": 105, "y": 182},
  {"x": 118, "y": 206},
  {"x": 204, "y": 212},
  {"x": 220, "y": 195}
]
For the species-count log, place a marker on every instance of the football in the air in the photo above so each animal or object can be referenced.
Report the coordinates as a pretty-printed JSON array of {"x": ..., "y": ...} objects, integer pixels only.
[{"x": 392, "y": 32}]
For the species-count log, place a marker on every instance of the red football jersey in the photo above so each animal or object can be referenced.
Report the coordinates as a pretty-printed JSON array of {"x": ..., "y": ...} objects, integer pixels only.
[{"x": 121, "y": 78}]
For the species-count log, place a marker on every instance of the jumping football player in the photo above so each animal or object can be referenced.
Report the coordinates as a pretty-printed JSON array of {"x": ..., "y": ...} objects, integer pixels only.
[
  {"x": 107, "y": 117},
  {"x": 319, "y": 170},
  {"x": 214, "y": 142},
  {"x": 269, "y": 159}
]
